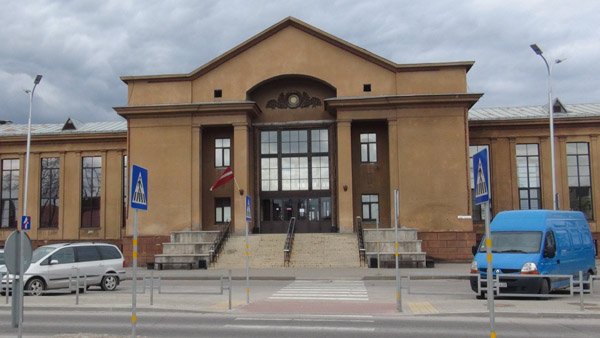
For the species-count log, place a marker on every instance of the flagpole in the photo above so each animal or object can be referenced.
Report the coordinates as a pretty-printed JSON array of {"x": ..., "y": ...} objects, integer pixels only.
[{"x": 236, "y": 184}]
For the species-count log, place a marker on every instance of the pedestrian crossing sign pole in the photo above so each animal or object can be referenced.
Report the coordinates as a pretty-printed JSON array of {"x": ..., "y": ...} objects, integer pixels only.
[
  {"x": 481, "y": 184},
  {"x": 139, "y": 201}
]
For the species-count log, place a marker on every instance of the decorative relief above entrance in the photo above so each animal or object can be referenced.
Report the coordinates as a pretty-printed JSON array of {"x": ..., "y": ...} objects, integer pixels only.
[{"x": 293, "y": 100}]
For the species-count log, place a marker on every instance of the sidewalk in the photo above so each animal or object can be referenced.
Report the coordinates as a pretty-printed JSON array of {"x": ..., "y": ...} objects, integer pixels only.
[{"x": 204, "y": 297}]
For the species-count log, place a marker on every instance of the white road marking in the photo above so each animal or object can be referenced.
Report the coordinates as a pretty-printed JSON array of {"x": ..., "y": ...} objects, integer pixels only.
[{"x": 323, "y": 290}]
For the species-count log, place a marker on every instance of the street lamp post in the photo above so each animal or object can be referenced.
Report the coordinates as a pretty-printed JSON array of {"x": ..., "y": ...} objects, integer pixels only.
[
  {"x": 539, "y": 52},
  {"x": 19, "y": 227}
]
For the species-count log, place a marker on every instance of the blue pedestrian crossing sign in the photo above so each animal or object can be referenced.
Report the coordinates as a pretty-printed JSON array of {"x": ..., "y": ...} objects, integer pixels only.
[
  {"x": 248, "y": 209},
  {"x": 139, "y": 188},
  {"x": 481, "y": 175}
]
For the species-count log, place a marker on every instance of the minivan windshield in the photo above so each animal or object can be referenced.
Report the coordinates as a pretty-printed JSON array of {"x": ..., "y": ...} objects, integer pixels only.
[
  {"x": 514, "y": 242},
  {"x": 40, "y": 253}
]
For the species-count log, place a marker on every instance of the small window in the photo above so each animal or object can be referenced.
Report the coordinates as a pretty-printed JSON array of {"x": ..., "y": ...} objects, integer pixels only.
[
  {"x": 222, "y": 210},
  {"x": 222, "y": 152},
  {"x": 218, "y": 93},
  {"x": 87, "y": 253},
  {"x": 368, "y": 148},
  {"x": 109, "y": 252},
  {"x": 367, "y": 87},
  {"x": 64, "y": 256},
  {"x": 370, "y": 207}
]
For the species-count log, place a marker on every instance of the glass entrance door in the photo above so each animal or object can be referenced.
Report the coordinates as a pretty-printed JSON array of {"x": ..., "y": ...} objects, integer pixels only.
[{"x": 312, "y": 214}]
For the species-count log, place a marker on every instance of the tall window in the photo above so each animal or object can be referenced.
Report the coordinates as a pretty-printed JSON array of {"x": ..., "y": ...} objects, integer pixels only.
[
  {"x": 478, "y": 211},
  {"x": 370, "y": 207},
  {"x": 125, "y": 192},
  {"x": 580, "y": 182},
  {"x": 10, "y": 193},
  {"x": 368, "y": 148},
  {"x": 528, "y": 175},
  {"x": 222, "y": 152},
  {"x": 299, "y": 162},
  {"x": 222, "y": 210},
  {"x": 91, "y": 178},
  {"x": 49, "y": 187}
]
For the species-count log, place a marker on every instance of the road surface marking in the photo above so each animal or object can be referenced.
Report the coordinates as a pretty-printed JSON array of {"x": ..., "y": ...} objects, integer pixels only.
[
  {"x": 323, "y": 290},
  {"x": 422, "y": 308}
]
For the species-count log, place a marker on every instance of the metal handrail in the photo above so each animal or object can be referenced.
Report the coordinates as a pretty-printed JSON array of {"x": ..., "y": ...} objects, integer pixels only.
[
  {"x": 217, "y": 245},
  {"x": 289, "y": 242},
  {"x": 362, "y": 257}
]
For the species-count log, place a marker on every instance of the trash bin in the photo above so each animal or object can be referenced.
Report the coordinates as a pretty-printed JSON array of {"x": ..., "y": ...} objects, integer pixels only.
[{"x": 202, "y": 264}]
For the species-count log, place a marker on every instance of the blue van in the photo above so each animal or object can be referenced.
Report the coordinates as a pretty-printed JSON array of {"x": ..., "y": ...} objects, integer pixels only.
[{"x": 536, "y": 242}]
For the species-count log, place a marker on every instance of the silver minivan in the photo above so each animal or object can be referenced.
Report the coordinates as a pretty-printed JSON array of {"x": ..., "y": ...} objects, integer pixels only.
[{"x": 53, "y": 266}]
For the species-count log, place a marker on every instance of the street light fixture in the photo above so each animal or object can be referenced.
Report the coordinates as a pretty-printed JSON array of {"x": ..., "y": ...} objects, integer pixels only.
[
  {"x": 20, "y": 285},
  {"x": 539, "y": 52}
]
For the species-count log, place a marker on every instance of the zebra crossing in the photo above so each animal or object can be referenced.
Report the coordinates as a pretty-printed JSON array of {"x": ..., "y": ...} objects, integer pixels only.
[{"x": 323, "y": 290}]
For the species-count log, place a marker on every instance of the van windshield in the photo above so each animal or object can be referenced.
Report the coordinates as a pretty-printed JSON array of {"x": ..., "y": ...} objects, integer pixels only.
[
  {"x": 40, "y": 253},
  {"x": 514, "y": 242}
]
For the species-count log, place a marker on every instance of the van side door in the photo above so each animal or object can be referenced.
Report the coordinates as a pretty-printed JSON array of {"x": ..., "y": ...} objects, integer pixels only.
[
  {"x": 59, "y": 267},
  {"x": 89, "y": 263}
]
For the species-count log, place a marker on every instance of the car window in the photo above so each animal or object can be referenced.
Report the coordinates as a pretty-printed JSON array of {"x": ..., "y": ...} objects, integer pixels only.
[
  {"x": 109, "y": 252},
  {"x": 64, "y": 256},
  {"x": 87, "y": 253},
  {"x": 2, "y": 258}
]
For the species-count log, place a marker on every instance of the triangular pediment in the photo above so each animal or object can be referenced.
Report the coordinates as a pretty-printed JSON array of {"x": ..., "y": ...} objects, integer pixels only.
[{"x": 307, "y": 29}]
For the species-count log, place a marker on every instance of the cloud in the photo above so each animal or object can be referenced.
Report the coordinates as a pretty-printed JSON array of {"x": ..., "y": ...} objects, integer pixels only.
[{"x": 82, "y": 47}]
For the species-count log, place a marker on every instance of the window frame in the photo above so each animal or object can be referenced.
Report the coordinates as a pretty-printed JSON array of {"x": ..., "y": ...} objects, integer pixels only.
[
  {"x": 529, "y": 188},
  {"x": 221, "y": 203},
  {"x": 54, "y": 172},
  {"x": 13, "y": 191},
  {"x": 575, "y": 190},
  {"x": 89, "y": 223},
  {"x": 370, "y": 147},
  {"x": 224, "y": 151},
  {"x": 369, "y": 204}
]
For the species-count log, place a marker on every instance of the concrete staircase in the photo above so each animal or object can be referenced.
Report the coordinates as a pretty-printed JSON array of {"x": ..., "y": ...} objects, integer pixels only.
[
  {"x": 266, "y": 251},
  {"x": 323, "y": 250},
  {"x": 187, "y": 250},
  {"x": 379, "y": 248}
]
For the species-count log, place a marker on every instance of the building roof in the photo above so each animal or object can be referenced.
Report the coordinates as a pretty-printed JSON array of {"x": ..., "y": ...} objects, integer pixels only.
[
  {"x": 71, "y": 127},
  {"x": 534, "y": 112}
]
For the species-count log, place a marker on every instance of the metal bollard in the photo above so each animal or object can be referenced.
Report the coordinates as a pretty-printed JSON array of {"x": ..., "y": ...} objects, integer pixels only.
[
  {"x": 229, "y": 288},
  {"x": 581, "y": 291},
  {"x": 151, "y": 287},
  {"x": 77, "y": 288}
]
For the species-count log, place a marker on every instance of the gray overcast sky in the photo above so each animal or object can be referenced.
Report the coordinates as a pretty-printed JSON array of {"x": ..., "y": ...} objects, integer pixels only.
[{"x": 82, "y": 47}]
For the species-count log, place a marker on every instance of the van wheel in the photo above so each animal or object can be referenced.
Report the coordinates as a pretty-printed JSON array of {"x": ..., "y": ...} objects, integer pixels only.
[
  {"x": 35, "y": 286},
  {"x": 109, "y": 283}
]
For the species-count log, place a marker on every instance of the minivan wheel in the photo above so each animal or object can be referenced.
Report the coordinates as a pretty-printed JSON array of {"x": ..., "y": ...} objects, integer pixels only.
[
  {"x": 109, "y": 283},
  {"x": 35, "y": 286}
]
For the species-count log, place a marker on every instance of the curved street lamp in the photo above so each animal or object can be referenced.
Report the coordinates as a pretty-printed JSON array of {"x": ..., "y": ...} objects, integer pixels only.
[
  {"x": 539, "y": 52},
  {"x": 20, "y": 285}
]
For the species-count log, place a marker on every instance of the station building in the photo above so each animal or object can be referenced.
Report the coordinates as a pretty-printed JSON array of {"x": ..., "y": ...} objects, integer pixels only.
[{"x": 314, "y": 128}]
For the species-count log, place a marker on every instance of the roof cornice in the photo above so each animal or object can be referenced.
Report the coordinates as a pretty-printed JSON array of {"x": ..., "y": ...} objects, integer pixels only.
[
  {"x": 105, "y": 136},
  {"x": 230, "y": 107},
  {"x": 396, "y": 101},
  {"x": 303, "y": 26},
  {"x": 533, "y": 122}
]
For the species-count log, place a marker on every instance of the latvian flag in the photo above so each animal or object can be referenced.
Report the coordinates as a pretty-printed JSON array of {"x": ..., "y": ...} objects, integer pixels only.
[{"x": 225, "y": 177}]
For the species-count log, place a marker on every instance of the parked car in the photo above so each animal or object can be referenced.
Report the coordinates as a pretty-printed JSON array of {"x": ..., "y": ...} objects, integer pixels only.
[
  {"x": 536, "y": 242},
  {"x": 53, "y": 265},
  {"x": 2, "y": 262}
]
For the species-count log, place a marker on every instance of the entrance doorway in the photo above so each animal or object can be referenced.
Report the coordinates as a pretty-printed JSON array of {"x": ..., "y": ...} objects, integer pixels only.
[{"x": 313, "y": 214}]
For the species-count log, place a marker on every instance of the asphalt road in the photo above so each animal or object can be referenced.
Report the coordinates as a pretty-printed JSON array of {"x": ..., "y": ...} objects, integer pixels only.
[{"x": 168, "y": 324}]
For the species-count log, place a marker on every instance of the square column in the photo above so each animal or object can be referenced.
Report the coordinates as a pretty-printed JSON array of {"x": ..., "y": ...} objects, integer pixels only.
[
  {"x": 196, "y": 187},
  {"x": 241, "y": 172},
  {"x": 344, "y": 186}
]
